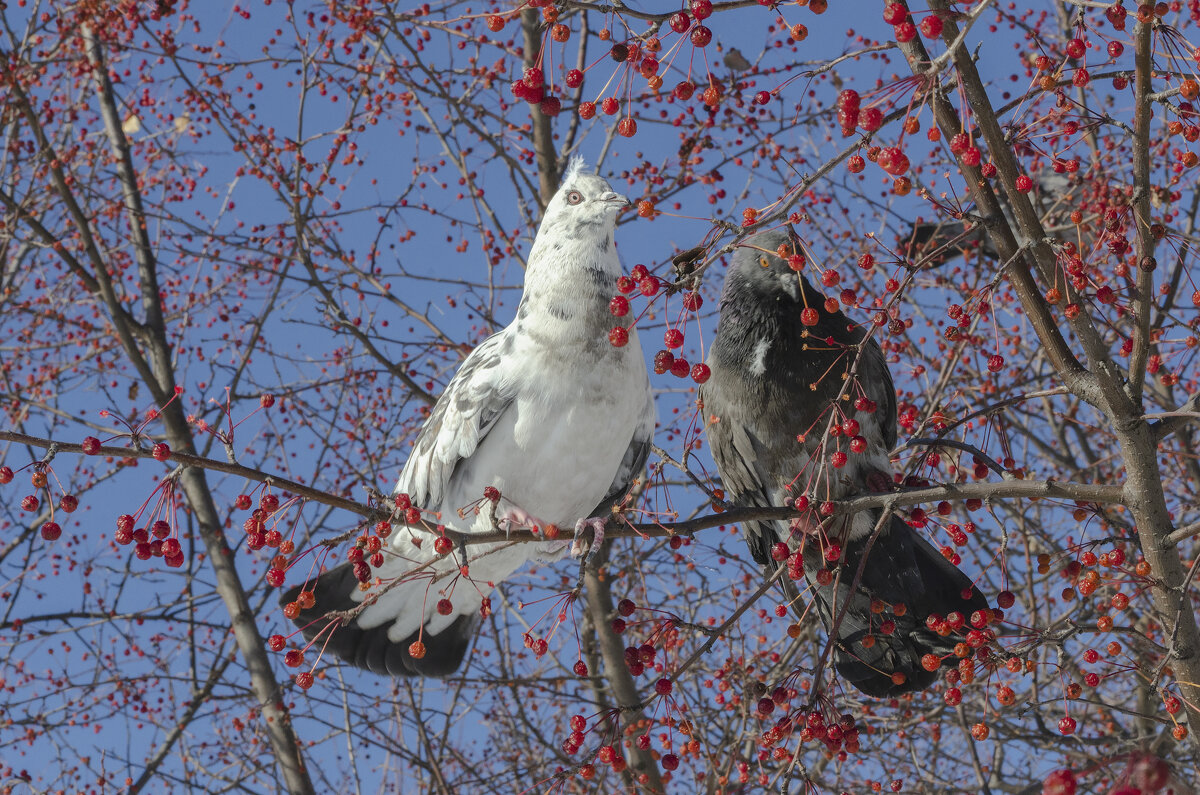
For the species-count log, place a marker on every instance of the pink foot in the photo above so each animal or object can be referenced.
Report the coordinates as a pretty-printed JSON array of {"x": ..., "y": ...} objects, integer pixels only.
[
  {"x": 517, "y": 518},
  {"x": 579, "y": 546}
]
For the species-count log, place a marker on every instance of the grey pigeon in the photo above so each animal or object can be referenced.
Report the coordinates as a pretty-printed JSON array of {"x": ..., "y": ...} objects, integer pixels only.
[
  {"x": 932, "y": 243},
  {"x": 547, "y": 411},
  {"x": 777, "y": 387}
]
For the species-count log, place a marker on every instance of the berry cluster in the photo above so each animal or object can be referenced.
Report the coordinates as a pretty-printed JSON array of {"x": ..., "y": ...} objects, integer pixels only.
[
  {"x": 641, "y": 281},
  {"x": 40, "y": 480}
]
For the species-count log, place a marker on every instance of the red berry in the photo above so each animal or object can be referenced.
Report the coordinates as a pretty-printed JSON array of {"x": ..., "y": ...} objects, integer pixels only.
[
  {"x": 161, "y": 451},
  {"x": 663, "y": 687},
  {"x": 619, "y": 306},
  {"x": 68, "y": 502},
  {"x": 670, "y": 762},
  {"x": 442, "y": 545},
  {"x": 894, "y": 13},
  {"x": 416, "y": 650},
  {"x": 702, "y": 9},
  {"x": 870, "y": 119},
  {"x": 680, "y": 368},
  {"x": 995, "y": 363},
  {"x": 680, "y": 22},
  {"x": 610, "y": 106},
  {"x": 618, "y": 337},
  {"x": 701, "y": 35},
  {"x": 30, "y": 503},
  {"x": 495, "y": 23},
  {"x": 692, "y": 302},
  {"x": 276, "y": 642},
  {"x": 931, "y": 27},
  {"x": 275, "y": 577},
  {"x": 1024, "y": 184},
  {"x": 1067, "y": 725},
  {"x": 266, "y": 401},
  {"x": 445, "y": 607},
  {"x": 649, "y": 286},
  {"x": 304, "y": 680},
  {"x": 701, "y": 373},
  {"x": 1006, "y": 599},
  {"x": 91, "y": 445},
  {"x": 1060, "y": 782},
  {"x": 580, "y": 668},
  {"x": 683, "y": 90},
  {"x": 809, "y": 316},
  {"x": 905, "y": 31},
  {"x": 673, "y": 338},
  {"x": 51, "y": 531},
  {"x": 626, "y": 607},
  {"x": 587, "y": 110},
  {"x": 574, "y": 78},
  {"x": 627, "y": 127}
]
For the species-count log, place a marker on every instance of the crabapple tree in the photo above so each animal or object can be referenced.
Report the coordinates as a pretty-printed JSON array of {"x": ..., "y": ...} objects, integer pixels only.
[{"x": 243, "y": 248}]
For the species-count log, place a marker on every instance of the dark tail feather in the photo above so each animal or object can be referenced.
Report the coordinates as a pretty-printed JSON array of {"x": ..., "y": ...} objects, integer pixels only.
[
  {"x": 370, "y": 647},
  {"x": 901, "y": 567}
]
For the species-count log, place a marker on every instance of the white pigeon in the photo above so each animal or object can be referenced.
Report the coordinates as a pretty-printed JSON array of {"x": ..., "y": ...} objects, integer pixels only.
[{"x": 547, "y": 411}]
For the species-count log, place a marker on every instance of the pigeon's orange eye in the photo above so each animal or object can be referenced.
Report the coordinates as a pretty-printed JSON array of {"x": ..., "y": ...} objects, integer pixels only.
[
  {"x": 766, "y": 263},
  {"x": 574, "y": 197}
]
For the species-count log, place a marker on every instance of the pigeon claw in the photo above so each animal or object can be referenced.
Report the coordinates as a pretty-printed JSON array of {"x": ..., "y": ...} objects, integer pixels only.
[
  {"x": 515, "y": 517},
  {"x": 579, "y": 546}
]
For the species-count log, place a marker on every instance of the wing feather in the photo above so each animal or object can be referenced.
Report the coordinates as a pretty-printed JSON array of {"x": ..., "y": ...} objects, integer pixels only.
[{"x": 474, "y": 400}]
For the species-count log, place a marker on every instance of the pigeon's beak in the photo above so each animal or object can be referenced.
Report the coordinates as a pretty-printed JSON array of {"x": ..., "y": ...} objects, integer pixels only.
[{"x": 615, "y": 198}]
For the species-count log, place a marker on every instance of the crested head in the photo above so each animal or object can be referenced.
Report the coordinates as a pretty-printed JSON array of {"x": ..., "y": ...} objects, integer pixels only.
[{"x": 584, "y": 204}]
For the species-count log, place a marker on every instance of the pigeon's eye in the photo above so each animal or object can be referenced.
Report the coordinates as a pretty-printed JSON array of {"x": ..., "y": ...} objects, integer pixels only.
[
  {"x": 766, "y": 263},
  {"x": 574, "y": 197}
]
